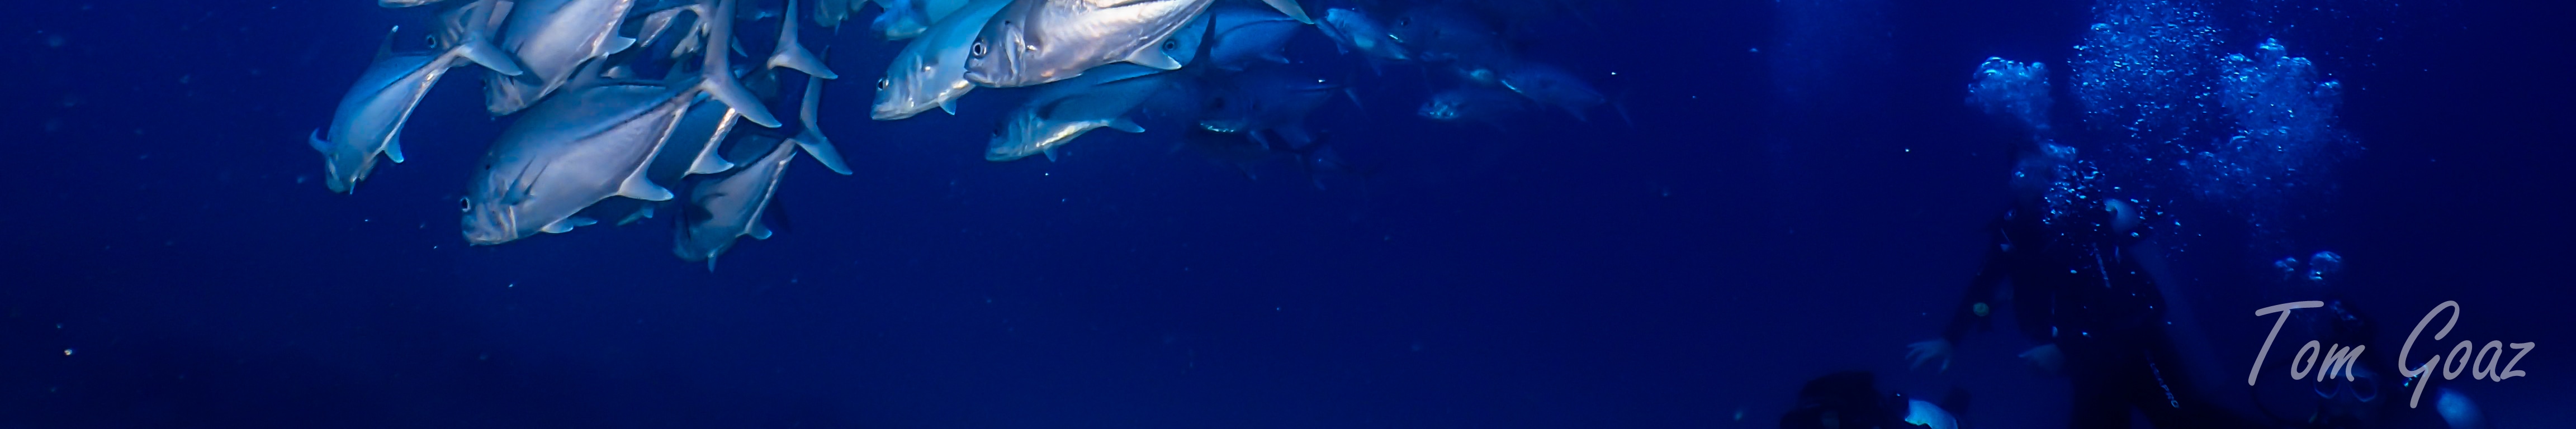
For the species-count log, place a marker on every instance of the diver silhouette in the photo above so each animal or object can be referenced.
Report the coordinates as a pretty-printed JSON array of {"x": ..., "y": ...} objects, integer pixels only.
[{"x": 2080, "y": 290}]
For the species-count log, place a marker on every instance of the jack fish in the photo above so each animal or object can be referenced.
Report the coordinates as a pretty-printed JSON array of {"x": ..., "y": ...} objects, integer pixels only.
[{"x": 574, "y": 149}]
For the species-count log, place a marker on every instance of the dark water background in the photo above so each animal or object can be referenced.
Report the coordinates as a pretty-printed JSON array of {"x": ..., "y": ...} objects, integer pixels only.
[{"x": 1802, "y": 193}]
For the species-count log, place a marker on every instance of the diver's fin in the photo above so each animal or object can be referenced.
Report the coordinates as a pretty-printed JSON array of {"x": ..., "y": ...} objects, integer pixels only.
[
  {"x": 315, "y": 140},
  {"x": 1122, "y": 123},
  {"x": 1154, "y": 58},
  {"x": 792, "y": 54},
  {"x": 1291, "y": 8}
]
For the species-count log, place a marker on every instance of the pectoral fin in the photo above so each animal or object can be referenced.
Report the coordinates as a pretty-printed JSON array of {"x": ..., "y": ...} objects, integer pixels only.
[
  {"x": 316, "y": 141},
  {"x": 1290, "y": 7},
  {"x": 638, "y": 188},
  {"x": 393, "y": 148},
  {"x": 1123, "y": 124},
  {"x": 1155, "y": 58}
]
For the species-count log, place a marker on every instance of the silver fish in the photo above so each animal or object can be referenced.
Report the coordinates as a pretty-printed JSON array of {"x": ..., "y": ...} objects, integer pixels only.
[
  {"x": 830, "y": 13},
  {"x": 931, "y": 71},
  {"x": 724, "y": 209},
  {"x": 552, "y": 39},
  {"x": 1355, "y": 31},
  {"x": 902, "y": 19},
  {"x": 1062, "y": 111},
  {"x": 1245, "y": 34},
  {"x": 370, "y": 117},
  {"x": 1268, "y": 98},
  {"x": 568, "y": 152},
  {"x": 1472, "y": 103},
  {"x": 467, "y": 27},
  {"x": 396, "y": 4},
  {"x": 1447, "y": 33},
  {"x": 1038, "y": 41},
  {"x": 721, "y": 210},
  {"x": 1553, "y": 86}
]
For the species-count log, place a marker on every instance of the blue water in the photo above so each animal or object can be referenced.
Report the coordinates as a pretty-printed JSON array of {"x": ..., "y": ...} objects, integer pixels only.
[{"x": 1802, "y": 191}]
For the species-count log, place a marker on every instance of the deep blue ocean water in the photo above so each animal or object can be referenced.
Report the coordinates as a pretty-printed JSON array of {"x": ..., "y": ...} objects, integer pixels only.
[{"x": 1802, "y": 191}]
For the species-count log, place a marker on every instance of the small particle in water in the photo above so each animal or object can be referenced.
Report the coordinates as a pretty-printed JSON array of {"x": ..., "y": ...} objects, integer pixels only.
[
  {"x": 299, "y": 179},
  {"x": 183, "y": 79},
  {"x": 1754, "y": 50},
  {"x": 512, "y": 285},
  {"x": 67, "y": 352},
  {"x": 54, "y": 40}
]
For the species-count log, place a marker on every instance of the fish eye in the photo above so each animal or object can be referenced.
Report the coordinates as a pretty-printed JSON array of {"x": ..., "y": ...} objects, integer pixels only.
[
  {"x": 1171, "y": 44},
  {"x": 882, "y": 84},
  {"x": 464, "y": 204},
  {"x": 978, "y": 50}
]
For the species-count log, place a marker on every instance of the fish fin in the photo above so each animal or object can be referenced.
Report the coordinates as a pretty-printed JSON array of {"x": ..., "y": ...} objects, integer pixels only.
[
  {"x": 639, "y": 188},
  {"x": 567, "y": 224},
  {"x": 1122, "y": 123},
  {"x": 1354, "y": 94},
  {"x": 759, "y": 231},
  {"x": 710, "y": 162},
  {"x": 393, "y": 148},
  {"x": 725, "y": 89},
  {"x": 1153, "y": 58},
  {"x": 643, "y": 213},
  {"x": 482, "y": 52},
  {"x": 777, "y": 214},
  {"x": 316, "y": 141},
  {"x": 949, "y": 105},
  {"x": 811, "y": 138},
  {"x": 1275, "y": 56},
  {"x": 385, "y": 49},
  {"x": 615, "y": 44},
  {"x": 1291, "y": 8},
  {"x": 1051, "y": 152},
  {"x": 792, "y": 54},
  {"x": 718, "y": 79}
]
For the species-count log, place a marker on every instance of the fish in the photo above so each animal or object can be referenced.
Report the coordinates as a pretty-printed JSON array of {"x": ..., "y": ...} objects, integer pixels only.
[
  {"x": 1032, "y": 42},
  {"x": 570, "y": 151},
  {"x": 931, "y": 70},
  {"x": 1355, "y": 31},
  {"x": 370, "y": 117},
  {"x": 1553, "y": 86},
  {"x": 1472, "y": 103},
  {"x": 1268, "y": 98},
  {"x": 722, "y": 210},
  {"x": 398, "y": 4},
  {"x": 1446, "y": 33},
  {"x": 1245, "y": 34},
  {"x": 1062, "y": 111},
  {"x": 552, "y": 39}
]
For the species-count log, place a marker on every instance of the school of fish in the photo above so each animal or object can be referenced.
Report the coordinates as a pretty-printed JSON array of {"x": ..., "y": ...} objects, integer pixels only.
[{"x": 615, "y": 102}]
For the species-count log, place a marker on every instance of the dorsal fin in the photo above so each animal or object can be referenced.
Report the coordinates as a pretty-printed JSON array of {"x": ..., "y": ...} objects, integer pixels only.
[{"x": 386, "y": 49}]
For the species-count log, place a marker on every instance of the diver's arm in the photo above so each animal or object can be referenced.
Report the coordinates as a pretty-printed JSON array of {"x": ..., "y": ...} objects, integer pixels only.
[{"x": 1974, "y": 311}]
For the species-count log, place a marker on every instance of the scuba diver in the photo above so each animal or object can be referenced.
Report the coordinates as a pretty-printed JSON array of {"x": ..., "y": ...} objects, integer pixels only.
[
  {"x": 1851, "y": 400},
  {"x": 2078, "y": 287},
  {"x": 2357, "y": 402}
]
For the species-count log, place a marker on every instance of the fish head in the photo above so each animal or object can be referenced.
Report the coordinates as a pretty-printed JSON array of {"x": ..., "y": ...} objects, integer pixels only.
[
  {"x": 996, "y": 55},
  {"x": 1444, "y": 106},
  {"x": 1018, "y": 136},
  {"x": 900, "y": 94},
  {"x": 491, "y": 208}
]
